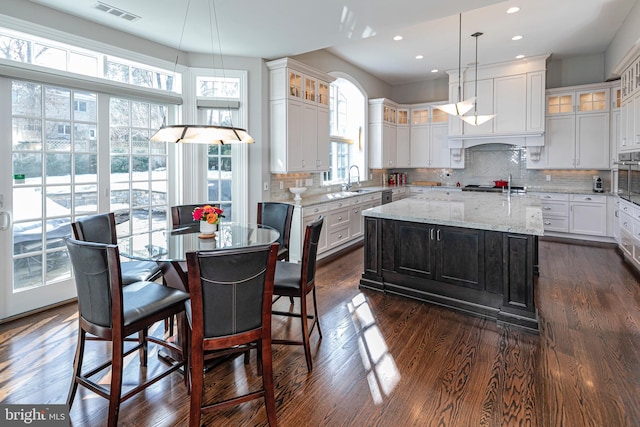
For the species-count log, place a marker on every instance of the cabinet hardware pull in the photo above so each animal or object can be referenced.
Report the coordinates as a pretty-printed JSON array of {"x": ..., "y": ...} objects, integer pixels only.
[
  {"x": 587, "y": 198},
  {"x": 339, "y": 236},
  {"x": 438, "y": 235},
  {"x": 431, "y": 233},
  {"x": 546, "y": 208},
  {"x": 547, "y": 197},
  {"x": 547, "y": 223},
  {"x": 339, "y": 218}
]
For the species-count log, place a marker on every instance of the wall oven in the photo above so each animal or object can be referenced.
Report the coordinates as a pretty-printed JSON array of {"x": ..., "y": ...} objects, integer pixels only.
[
  {"x": 624, "y": 175},
  {"x": 634, "y": 178}
]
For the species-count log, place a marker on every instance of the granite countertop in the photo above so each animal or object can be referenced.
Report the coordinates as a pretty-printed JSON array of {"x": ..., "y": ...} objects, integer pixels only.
[
  {"x": 340, "y": 195},
  {"x": 519, "y": 213}
]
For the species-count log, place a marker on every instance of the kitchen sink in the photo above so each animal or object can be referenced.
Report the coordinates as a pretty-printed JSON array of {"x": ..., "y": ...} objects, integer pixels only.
[{"x": 361, "y": 190}]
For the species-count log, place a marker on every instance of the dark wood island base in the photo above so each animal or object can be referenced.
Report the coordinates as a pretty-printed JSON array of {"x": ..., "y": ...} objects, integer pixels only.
[{"x": 478, "y": 272}]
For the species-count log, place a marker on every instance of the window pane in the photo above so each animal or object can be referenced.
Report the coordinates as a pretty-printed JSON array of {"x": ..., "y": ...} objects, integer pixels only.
[
  {"x": 142, "y": 77},
  {"x": 57, "y": 103},
  {"x": 27, "y": 134},
  {"x": 58, "y": 136},
  {"x": 58, "y": 168},
  {"x": 119, "y": 112},
  {"x": 83, "y": 64},
  {"x": 85, "y": 107},
  {"x": 120, "y": 168},
  {"x": 84, "y": 138},
  {"x": 29, "y": 165},
  {"x": 85, "y": 199},
  {"x": 26, "y": 99},
  {"x": 119, "y": 140},
  {"x": 117, "y": 72},
  {"x": 58, "y": 200},
  {"x": 48, "y": 56},
  {"x": 140, "y": 114},
  {"x": 86, "y": 168},
  {"x": 139, "y": 141},
  {"x": 15, "y": 49}
]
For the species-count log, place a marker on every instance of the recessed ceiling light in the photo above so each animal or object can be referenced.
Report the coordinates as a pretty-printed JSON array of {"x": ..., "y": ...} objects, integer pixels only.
[
  {"x": 397, "y": 38},
  {"x": 435, "y": 70},
  {"x": 519, "y": 56},
  {"x": 515, "y": 38},
  {"x": 419, "y": 57},
  {"x": 513, "y": 9}
]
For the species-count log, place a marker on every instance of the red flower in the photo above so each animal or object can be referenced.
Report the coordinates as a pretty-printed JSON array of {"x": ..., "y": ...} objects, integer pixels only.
[{"x": 211, "y": 214}]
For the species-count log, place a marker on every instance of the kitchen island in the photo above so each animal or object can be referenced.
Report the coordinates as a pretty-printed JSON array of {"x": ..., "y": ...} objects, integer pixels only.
[{"x": 473, "y": 252}]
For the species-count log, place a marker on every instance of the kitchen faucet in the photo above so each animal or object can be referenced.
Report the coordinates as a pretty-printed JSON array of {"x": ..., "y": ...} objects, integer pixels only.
[{"x": 348, "y": 184}]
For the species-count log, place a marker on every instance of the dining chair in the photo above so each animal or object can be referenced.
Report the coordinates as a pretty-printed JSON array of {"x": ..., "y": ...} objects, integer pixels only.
[
  {"x": 297, "y": 281},
  {"x": 230, "y": 313},
  {"x": 101, "y": 228},
  {"x": 110, "y": 311},
  {"x": 278, "y": 216}
]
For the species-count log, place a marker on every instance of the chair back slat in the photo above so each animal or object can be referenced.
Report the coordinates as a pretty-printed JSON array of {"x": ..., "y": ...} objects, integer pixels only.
[
  {"x": 182, "y": 215},
  {"x": 93, "y": 278},
  {"x": 228, "y": 288}
]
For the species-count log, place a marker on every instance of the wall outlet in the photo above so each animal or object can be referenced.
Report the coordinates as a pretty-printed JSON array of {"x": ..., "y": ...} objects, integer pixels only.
[
  {"x": 548, "y": 177},
  {"x": 308, "y": 182},
  {"x": 265, "y": 186},
  {"x": 281, "y": 185}
]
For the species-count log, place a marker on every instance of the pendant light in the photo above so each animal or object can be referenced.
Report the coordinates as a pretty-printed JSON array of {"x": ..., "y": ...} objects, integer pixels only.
[
  {"x": 460, "y": 107},
  {"x": 202, "y": 134},
  {"x": 477, "y": 120}
]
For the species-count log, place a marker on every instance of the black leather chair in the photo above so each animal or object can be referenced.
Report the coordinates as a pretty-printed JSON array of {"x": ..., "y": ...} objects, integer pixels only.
[
  {"x": 297, "y": 281},
  {"x": 278, "y": 216},
  {"x": 101, "y": 228},
  {"x": 182, "y": 215},
  {"x": 110, "y": 311},
  {"x": 229, "y": 313}
]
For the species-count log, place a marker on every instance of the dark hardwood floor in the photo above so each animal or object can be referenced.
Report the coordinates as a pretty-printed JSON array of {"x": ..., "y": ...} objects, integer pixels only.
[{"x": 389, "y": 361}]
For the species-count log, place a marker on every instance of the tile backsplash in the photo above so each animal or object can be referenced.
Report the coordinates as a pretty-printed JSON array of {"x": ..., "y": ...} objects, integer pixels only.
[{"x": 483, "y": 165}]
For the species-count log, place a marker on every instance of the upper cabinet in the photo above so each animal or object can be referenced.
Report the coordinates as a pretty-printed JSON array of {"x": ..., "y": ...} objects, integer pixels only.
[
  {"x": 577, "y": 129},
  {"x": 383, "y": 134},
  {"x": 513, "y": 91},
  {"x": 429, "y": 147},
  {"x": 299, "y": 102}
]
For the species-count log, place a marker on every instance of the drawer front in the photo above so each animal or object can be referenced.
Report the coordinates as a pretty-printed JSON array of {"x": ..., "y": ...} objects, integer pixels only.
[
  {"x": 558, "y": 224},
  {"x": 626, "y": 223},
  {"x": 339, "y": 205},
  {"x": 553, "y": 196},
  {"x": 338, "y": 217},
  {"x": 555, "y": 208},
  {"x": 626, "y": 208},
  {"x": 589, "y": 198},
  {"x": 419, "y": 190},
  {"x": 338, "y": 236},
  {"x": 314, "y": 211},
  {"x": 626, "y": 243}
]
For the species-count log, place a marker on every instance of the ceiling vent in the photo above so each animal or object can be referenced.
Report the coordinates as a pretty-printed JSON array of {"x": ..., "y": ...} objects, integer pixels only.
[{"x": 103, "y": 7}]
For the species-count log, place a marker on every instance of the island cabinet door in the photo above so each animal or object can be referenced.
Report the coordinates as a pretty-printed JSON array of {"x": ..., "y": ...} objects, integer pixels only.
[
  {"x": 414, "y": 249},
  {"x": 460, "y": 256}
]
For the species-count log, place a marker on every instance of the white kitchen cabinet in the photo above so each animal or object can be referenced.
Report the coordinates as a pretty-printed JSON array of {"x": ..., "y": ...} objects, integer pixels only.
[
  {"x": 588, "y": 214},
  {"x": 299, "y": 102},
  {"x": 577, "y": 129},
  {"x": 403, "y": 138},
  {"x": 343, "y": 223},
  {"x": 511, "y": 116},
  {"x": 555, "y": 211},
  {"x": 429, "y": 138},
  {"x": 383, "y": 135}
]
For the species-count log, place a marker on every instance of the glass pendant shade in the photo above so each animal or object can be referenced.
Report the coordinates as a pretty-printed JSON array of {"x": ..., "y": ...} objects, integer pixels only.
[
  {"x": 202, "y": 134},
  {"x": 477, "y": 120},
  {"x": 459, "y": 108}
]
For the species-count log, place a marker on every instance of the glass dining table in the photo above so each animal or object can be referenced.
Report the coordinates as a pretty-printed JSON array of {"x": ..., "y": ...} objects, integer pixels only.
[{"x": 169, "y": 247}]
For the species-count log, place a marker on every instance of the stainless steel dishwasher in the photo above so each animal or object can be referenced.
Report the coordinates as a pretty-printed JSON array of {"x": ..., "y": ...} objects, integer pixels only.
[{"x": 387, "y": 196}]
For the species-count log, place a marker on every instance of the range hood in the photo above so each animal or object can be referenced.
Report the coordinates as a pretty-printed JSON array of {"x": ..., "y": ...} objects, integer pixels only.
[{"x": 532, "y": 142}]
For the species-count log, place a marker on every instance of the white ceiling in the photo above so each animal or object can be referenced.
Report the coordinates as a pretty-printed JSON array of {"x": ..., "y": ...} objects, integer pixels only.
[{"x": 361, "y": 31}]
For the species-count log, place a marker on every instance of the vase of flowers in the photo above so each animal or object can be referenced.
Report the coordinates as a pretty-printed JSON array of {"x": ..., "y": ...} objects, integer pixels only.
[{"x": 209, "y": 218}]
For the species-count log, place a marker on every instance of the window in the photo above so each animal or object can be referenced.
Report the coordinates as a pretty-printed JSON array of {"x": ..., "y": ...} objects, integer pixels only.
[
  {"x": 347, "y": 119},
  {"x": 29, "y": 49}
]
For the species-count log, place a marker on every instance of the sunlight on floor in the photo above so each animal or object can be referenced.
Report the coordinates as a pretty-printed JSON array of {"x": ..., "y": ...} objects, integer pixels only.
[{"x": 382, "y": 374}]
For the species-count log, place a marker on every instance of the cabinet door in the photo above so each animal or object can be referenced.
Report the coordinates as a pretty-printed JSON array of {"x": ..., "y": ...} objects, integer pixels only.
[
  {"x": 293, "y": 117},
  {"x": 440, "y": 156},
  {"x": 559, "y": 144},
  {"x": 635, "y": 124},
  {"x": 309, "y": 141},
  {"x": 614, "y": 137},
  {"x": 356, "y": 221},
  {"x": 403, "y": 146},
  {"x": 414, "y": 249},
  {"x": 460, "y": 256},
  {"x": 420, "y": 146},
  {"x": 389, "y": 146},
  {"x": 592, "y": 141},
  {"x": 588, "y": 218},
  {"x": 622, "y": 138},
  {"x": 510, "y": 98},
  {"x": 535, "y": 101},
  {"x": 484, "y": 102},
  {"x": 323, "y": 143}
]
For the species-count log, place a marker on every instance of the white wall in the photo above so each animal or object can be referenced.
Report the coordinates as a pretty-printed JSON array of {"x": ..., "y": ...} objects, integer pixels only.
[
  {"x": 576, "y": 70},
  {"x": 327, "y": 62},
  {"x": 626, "y": 39}
]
